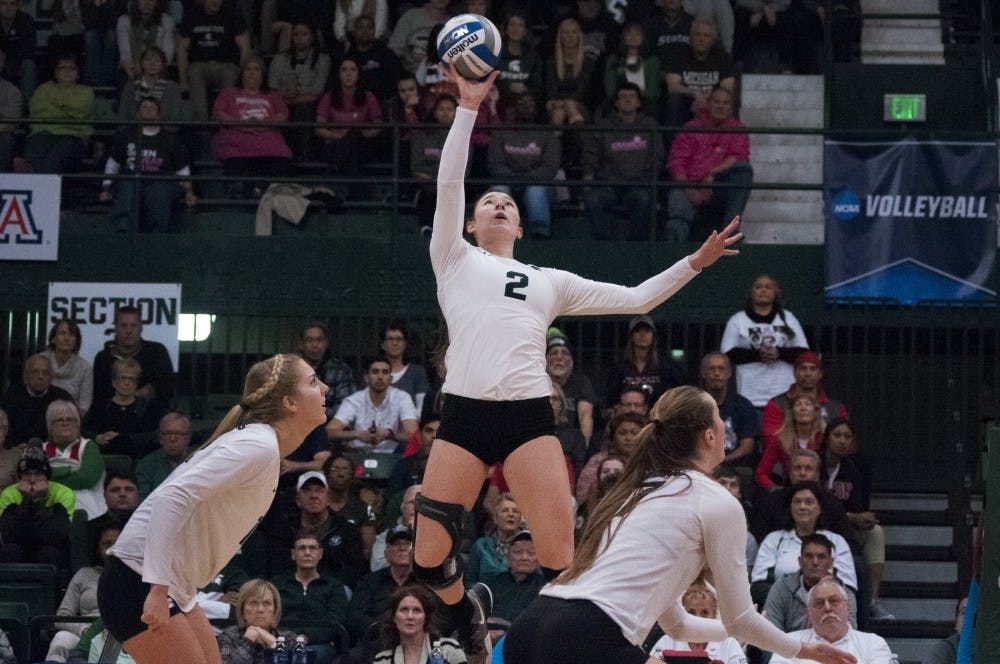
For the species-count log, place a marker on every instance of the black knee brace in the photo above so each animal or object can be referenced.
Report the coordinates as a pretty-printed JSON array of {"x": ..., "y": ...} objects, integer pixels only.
[{"x": 450, "y": 516}]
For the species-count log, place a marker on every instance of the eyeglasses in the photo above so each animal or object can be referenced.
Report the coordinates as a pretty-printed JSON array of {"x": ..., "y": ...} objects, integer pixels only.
[
  {"x": 820, "y": 603},
  {"x": 65, "y": 420},
  {"x": 307, "y": 547}
]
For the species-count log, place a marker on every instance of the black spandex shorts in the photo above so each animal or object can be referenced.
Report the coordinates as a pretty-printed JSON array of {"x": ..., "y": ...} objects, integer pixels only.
[
  {"x": 493, "y": 429},
  {"x": 567, "y": 631},
  {"x": 121, "y": 592}
]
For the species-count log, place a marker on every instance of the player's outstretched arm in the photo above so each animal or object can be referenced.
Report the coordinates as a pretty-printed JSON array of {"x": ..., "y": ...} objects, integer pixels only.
[
  {"x": 825, "y": 654},
  {"x": 716, "y": 246}
]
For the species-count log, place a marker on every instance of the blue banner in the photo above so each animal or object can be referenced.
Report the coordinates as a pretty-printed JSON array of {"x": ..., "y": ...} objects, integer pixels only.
[{"x": 910, "y": 221}]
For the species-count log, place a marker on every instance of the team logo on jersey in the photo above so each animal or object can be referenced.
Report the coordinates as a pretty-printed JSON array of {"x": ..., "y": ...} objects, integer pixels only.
[{"x": 17, "y": 222}]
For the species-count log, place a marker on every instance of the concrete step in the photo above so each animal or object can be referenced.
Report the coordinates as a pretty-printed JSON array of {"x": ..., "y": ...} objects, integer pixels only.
[
  {"x": 920, "y": 572},
  {"x": 901, "y": 41},
  {"x": 758, "y": 229},
  {"x": 786, "y": 153},
  {"x": 805, "y": 171},
  {"x": 910, "y": 651},
  {"x": 782, "y": 82},
  {"x": 933, "y": 610},
  {"x": 784, "y": 212},
  {"x": 771, "y": 99},
  {"x": 931, "y": 536},
  {"x": 782, "y": 117},
  {"x": 790, "y": 140},
  {"x": 925, "y": 502}
]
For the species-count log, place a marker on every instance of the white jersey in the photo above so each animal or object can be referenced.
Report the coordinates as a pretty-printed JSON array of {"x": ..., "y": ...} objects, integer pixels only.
[
  {"x": 659, "y": 550},
  {"x": 190, "y": 527},
  {"x": 756, "y": 381},
  {"x": 498, "y": 309},
  {"x": 868, "y": 648}
]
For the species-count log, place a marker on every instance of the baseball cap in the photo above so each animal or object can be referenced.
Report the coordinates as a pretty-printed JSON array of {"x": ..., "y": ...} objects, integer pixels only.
[
  {"x": 523, "y": 534},
  {"x": 397, "y": 533},
  {"x": 555, "y": 337},
  {"x": 642, "y": 319},
  {"x": 34, "y": 458},
  {"x": 310, "y": 475},
  {"x": 807, "y": 356}
]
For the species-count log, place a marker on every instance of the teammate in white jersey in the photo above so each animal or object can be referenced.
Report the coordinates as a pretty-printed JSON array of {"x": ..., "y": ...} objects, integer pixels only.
[
  {"x": 496, "y": 406},
  {"x": 656, "y": 530},
  {"x": 191, "y": 525}
]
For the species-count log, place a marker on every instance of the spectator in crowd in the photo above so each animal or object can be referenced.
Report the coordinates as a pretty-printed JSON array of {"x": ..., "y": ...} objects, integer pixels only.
[
  {"x": 741, "y": 418},
  {"x": 80, "y": 598},
  {"x": 779, "y": 552},
  {"x": 578, "y": 391},
  {"x": 150, "y": 82},
  {"x": 843, "y": 479},
  {"x": 70, "y": 371},
  {"x": 18, "y": 41},
  {"x": 574, "y": 445},
  {"x": 695, "y": 72},
  {"x": 621, "y": 440},
  {"x": 66, "y": 35},
  {"x": 642, "y": 366},
  {"x": 725, "y": 475},
  {"x": 300, "y": 75},
  {"x": 213, "y": 46},
  {"x": 521, "y": 68},
  {"x": 345, "y": 500},
  {"x": 410, "y": 630},
  {"x": 174, "y": 436},
  {"x": 343, "y": 557},
  {"x": 404, "y": 107},
  {"x": 390, "y": 412},
  {"x": 314, "y": 348},
  {"x": 802, "y": 429},
  {"x": 255, "y": 151},
  {"x": 633, "y": 399},
  {"x": 373, "y": 593},
  {"x": 707, "y": 158},
  {"x": 121, "y": 497},
  {"x": 945, "y": 651},
  {"x": 431, "y": 74},
  {"x": 409, "y": 377},
  {"x": 146, "y": 25},
  {"x": 630, "y": 63},
  {"x": 808, "y": 374},
  {"x": 405, "y": 519},
  {"x": 310, "y": 593},
  {"x": 118, "y": 423},
  {"x": 11, "y": 103},
  {"x": 379, "y": 66},
  {"x": 156, "y": 382},
  {"x": 599, "y": 30},
  {"x": 532, "y": 154},
  {"x": 59, "y": 148},
  {"x": 347, "y": 148},
  {"x": 628, "y": 152},
  {"x": 515, "y": 588},
  {"x": 425, "y": 156},
  {"x": 100, "y": 21},
  {"x": 608, "y": 472},
  {"x": 805, "y": 32},
  {"x": 411, "y": 33},
  {"x": 76, "y": 461},
  {"x": 667, "y": 30},
  {"x": 35, "y": 514},
  {"x": 410, "y": 469},
  {"x": 786, "y": 604},
  {"x": 770, "y": 511},
  {"x": 258, "y": 615},
  {"x": 347, "y": 12},
  {"x": 148, "y": 204},
  {"x": 721, "y": 12},
  {"x": 568, "y": 76},
  {"x": 761, "y": 35},
  {"x": 828, "y": 615},
  {"x": 10, "y": 453},
  {"x": 26, "y": 402},
  {"x": 489, "y": 552},
  {"x": 762, "y": 341},
  {"x": 699, "y": 600}
]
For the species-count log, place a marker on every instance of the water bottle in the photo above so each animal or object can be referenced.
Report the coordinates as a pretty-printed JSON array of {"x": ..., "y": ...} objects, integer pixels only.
[
  {"x": 299, "y": 654},
  {"x": 437, "y": 657},
  {"x": 281, "y": 654}
]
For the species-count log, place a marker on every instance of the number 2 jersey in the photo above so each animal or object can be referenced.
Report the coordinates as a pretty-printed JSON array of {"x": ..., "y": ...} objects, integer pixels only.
[{"x": 498, "y": 309}]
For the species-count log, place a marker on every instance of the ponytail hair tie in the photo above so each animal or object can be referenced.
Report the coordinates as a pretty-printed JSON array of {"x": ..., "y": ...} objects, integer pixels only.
[{"x": 245, "y": 406}]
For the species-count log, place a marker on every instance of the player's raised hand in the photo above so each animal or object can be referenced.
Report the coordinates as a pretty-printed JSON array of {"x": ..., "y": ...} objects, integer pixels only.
[
  {"x": 470, "y": 93},
  {"x": 717, "y": 245}
]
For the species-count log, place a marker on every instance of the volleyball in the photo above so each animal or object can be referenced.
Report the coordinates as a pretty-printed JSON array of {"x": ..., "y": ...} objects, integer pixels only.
[{"x": 471, "y": 44}]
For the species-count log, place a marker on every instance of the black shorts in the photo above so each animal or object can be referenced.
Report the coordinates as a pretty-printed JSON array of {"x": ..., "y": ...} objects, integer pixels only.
[
  {"x": 493, "y": 429},
  {"x": 567, "y": 631},
  {"x": 121, "y": 592}
]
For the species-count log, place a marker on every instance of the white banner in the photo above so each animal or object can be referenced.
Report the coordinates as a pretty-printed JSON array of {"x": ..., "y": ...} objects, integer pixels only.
[
  {"x": 29, "y": 217},
  {"x": 93, "y": 305}
]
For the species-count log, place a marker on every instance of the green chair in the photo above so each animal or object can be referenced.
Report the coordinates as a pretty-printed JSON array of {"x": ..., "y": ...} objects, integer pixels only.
[{"x": 31, "y": 583}]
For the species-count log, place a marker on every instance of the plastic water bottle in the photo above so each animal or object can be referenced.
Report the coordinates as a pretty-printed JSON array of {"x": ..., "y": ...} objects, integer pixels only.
[
  {"x": 299, "y": 653},
  {"x": 437, "y": 657},
  {"x": 281, "y": 654}
]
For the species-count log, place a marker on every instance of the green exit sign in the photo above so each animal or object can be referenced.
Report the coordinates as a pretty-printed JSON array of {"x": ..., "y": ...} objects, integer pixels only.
[{"x": 905, "y": 108}]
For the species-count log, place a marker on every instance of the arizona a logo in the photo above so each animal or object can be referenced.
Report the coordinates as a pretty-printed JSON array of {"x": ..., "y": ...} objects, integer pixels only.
[{"x": 17, "y": 223}]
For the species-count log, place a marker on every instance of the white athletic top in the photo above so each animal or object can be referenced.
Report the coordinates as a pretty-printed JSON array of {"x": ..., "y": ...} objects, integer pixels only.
[
  {"x": 867, "y": 647},
  {"x": 659, "y": 550},
  {"x": 756, "y": 381},
  {"x": 498, "y": 309},
  {"x": 189, "y": 528}
]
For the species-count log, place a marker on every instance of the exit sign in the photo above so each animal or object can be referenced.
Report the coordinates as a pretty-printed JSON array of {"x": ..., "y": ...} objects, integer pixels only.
[{"x": 905, "y": 108}]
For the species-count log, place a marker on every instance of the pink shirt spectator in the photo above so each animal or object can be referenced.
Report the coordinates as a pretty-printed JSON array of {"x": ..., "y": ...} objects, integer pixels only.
[
  {"x": 240, "y": 104},
  {"x": 369, "y": 113},
  {"x": 693, "y": 155}
]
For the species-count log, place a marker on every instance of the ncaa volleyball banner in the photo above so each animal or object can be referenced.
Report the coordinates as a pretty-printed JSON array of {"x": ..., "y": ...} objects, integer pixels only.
[
  {"x": 29, "y": 217},
  {"x": 910, "y": 221},
  {"x": 93, "y": 305}
]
